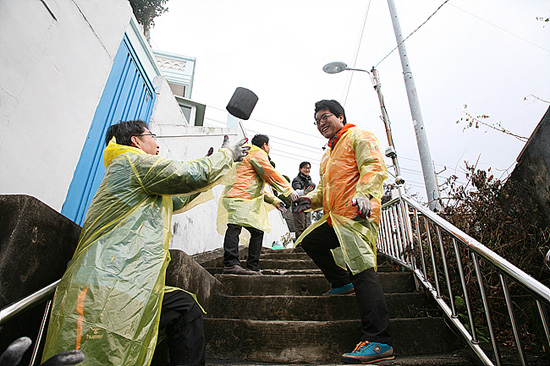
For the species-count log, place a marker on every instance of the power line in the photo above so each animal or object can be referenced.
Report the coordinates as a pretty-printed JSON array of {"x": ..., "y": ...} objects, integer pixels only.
[
  {"x": 357, "y": 52},
  {"x": 413, "y": 32},
  {"x": 502, "y": 29},
  {"x": 273, "y": 124}
]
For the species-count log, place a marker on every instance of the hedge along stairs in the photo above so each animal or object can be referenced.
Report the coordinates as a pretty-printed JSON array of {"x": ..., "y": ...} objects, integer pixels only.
[{"x": 283, "y": 318}]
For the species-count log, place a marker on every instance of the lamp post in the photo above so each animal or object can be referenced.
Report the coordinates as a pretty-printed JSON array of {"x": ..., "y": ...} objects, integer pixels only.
[{"x": 336, "y": 67}]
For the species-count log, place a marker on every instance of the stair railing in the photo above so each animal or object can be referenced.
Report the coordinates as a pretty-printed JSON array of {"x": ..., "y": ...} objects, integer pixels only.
[
  {"x": 19, "y": 307},
  {"x": 437, "y": 253}
]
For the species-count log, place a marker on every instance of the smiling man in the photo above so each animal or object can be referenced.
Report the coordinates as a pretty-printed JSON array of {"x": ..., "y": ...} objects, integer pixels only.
[{"x": 343, "y": 242}]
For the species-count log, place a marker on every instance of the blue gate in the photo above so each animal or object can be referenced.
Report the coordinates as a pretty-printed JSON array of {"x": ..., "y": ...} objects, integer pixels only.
[{"x": 128, "y": 95}]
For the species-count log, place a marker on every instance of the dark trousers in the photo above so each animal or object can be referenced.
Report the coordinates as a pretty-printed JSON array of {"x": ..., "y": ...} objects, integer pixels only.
[
  {"x": 375, "y": 318},
  {"x": 181, "y": 316},
  {"x": 301, "y": 221},
  {"x": 231, "y": 246}
]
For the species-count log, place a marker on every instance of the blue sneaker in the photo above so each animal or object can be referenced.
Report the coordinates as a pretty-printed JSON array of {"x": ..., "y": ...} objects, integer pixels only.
[
  {"x": 342, "y": 290},
  {"x": 369, "y": 352}
]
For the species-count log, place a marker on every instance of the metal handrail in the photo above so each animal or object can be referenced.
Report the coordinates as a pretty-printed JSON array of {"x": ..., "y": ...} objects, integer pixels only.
[
  {"x": 16, "y": 308},
  {"x": 404, "y": 241}
]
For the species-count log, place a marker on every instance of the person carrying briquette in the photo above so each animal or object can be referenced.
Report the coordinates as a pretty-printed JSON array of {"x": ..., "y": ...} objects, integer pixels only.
[
  {"x": 242, "y": 205},
  {"x": 303, "y": 184},
  {"x": 112, "y": 299},
  {"x": 343, "y": 242}
]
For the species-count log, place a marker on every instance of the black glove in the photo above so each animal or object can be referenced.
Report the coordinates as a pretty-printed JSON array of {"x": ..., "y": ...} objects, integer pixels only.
[
  {"x": 66, "y": 358},
  {"x": 281, "y": 207},
  {"x": 301, "y": 204},
  {"x": 15, "y": 351}
]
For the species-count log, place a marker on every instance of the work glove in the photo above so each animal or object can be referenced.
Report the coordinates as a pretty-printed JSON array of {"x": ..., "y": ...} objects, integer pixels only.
[
  {"x": 363, "y": 205},
  {"x": 309, "y": 188},
  {"x": 301, "y": 204},
  {"x": 281, "y": 207},
  {"x": 293, "y": 196},
  {"x": 66, "y": 358},
  {"x": 15, "y": 351},
  {"x": 238, "y": 150}
]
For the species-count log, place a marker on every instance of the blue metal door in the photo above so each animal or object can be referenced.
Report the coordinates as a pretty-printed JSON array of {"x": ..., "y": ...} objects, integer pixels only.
[{"x": 128, "y": 95}]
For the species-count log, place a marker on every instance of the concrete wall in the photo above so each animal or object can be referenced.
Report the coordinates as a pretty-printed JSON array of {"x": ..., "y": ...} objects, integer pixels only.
[
  {"x": 530, "y": 180},
  {"x": 55, "y": 59}
]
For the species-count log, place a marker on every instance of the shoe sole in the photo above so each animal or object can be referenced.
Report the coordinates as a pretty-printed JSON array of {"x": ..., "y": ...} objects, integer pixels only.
[{"x": 359, "y": 362}]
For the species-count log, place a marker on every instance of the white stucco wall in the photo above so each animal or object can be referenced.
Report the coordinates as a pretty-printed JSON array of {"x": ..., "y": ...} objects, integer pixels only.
[{"x": 53, "y": 67}]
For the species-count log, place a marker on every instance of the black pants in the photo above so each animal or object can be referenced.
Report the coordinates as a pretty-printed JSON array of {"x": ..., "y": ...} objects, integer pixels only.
[
  {"x": 231, "y": 246},
  {"x": 375, "y": 319},
  {"x": 182, "y": 318}
]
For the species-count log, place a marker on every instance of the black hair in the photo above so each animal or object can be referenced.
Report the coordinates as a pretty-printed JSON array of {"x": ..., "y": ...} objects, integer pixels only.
[
  {"x": 259, "y": 140},
  {"x": 304, "y": 163},
  {"x": 332, "y": 105},
  {"x": 124, "y": 130}
]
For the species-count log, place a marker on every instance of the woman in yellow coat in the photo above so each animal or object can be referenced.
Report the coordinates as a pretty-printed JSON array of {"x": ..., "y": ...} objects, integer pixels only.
[{"x": 242, "y": 205}]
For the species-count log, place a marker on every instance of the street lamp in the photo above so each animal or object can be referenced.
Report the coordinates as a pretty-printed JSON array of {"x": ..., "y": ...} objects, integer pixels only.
[{"x": 336, "y": 67}]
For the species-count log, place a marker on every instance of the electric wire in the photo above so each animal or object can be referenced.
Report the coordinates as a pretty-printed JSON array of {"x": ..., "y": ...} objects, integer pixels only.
[
  {"x": 413, "y": 32},
  {"x": 348, "y": 86},
  {"x": 502, "y": 29}
]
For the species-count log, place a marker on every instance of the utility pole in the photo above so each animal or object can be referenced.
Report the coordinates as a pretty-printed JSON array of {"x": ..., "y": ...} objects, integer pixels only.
[{"x": 430, "y": 180}]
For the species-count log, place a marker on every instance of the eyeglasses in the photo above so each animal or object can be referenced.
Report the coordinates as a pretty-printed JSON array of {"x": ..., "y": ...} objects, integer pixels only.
[
  {"x": 323, "y": 118},
  {"x": 148, "y": 134}
]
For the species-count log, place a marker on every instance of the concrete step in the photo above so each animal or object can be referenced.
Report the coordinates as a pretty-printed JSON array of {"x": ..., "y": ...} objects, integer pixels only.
[
  {"x": 283, "y": 255},
  {"x": 452, "y": 359},
  {"x": 272, "y": 271},
  {"x": 304, "y": 285},
  {"x": 285, "y": 264},
  {"x": 318, "y": 341},
  {"x": 315, "y": 308}
]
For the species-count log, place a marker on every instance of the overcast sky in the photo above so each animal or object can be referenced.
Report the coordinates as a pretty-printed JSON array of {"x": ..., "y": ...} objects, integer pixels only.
[{"x": 492, "y": 55}]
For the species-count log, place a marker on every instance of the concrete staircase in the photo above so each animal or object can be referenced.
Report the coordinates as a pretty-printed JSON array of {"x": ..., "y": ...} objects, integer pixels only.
[{"x": 282, "y": 317}]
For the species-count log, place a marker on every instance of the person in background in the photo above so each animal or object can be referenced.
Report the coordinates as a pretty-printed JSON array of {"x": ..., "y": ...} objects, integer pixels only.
[
  {"x": 242, "y": 205},
  {"x": 303, "y": 185},
  {"x": 343, "y": 242},
  {"x": 112, "y": 299}
]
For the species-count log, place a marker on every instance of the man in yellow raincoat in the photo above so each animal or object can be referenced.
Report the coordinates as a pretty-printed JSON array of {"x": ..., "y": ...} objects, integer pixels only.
[
  {"x": 242, "y": 204},
  {"x": 108, "y": 303},
  {"x": 343, "y": 242}
]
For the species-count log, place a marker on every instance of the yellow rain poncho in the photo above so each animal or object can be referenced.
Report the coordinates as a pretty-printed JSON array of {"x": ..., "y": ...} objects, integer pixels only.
[
  {"x": 352, "y": 167},
  {"x": 242, "y": 201},
  {"x": 109, "y": 300}
]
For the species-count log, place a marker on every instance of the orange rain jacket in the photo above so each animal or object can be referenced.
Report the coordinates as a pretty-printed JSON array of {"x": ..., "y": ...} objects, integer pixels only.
[
  {"x": 242, "y": 202},
  {"x": 109, "y": 300},
  {"x": 353, "y": 167}
]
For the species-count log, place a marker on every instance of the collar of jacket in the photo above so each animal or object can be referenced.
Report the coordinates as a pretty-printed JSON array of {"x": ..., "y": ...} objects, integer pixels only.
[
  {"x": 114, "y": 150},
  {"x": 334, "y": 139},
  {"x": 303, "y": 176}
]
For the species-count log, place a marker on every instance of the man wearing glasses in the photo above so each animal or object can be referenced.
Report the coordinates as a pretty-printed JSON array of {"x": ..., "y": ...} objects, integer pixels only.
[
  {"x": 343, "y": 242},
  {"x": 112, "y": 299}
]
